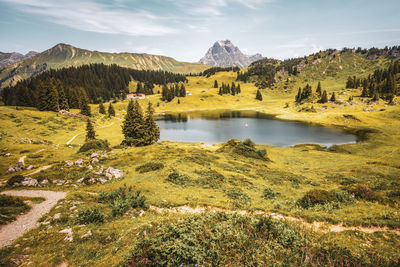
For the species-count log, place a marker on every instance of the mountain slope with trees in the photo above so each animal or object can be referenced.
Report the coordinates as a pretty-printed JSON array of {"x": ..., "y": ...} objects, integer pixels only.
[{"x": 63, "y": 55}]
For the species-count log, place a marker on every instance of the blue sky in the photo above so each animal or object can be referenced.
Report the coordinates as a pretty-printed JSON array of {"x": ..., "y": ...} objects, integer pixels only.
[{"x": 185, "y": 29}]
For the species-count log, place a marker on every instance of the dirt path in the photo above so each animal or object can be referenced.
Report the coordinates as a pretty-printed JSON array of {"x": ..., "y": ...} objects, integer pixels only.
[
  {"x": 38, "y": 170},
  {"x": 10, "y": 232},
  {"x": 317, "y": 226},
  {"x": 75, "y": 136}
]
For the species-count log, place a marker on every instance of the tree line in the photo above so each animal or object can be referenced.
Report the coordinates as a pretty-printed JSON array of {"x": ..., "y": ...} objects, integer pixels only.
[
  {"x": 174, "y": 90},
  {"x": 224, "y": 89},
  {"x": 95, "y": 83},
  {"x": 382, "y": 83}
]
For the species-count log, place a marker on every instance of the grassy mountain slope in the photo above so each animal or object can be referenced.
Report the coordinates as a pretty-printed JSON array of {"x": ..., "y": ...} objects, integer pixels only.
[{"x": 63, "y": 55}]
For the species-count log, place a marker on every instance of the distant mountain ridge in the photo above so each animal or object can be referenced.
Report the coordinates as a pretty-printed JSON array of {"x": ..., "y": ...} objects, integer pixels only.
[
  {"x": 225, "y": 54},
  {"x": 64, "y": 55},
  {"x": 10, "y": 58}
]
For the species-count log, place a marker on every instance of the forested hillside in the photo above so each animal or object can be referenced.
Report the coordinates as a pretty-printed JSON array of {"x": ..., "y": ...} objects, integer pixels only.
[{"x": 95, "y": 83}]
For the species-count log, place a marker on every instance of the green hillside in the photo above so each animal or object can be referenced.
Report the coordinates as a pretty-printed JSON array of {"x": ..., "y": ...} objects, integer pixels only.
[{"x": 63, "y": 55}]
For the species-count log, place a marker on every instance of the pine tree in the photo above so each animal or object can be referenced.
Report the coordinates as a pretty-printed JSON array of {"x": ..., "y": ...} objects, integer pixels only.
[
  {"x": 220, "y": 91},
  {"x": 259, "y": 95},
  {"x": 111, "y": 111},
  {"x": 179, "y": 101},
  {"x": 238, "y": 90},
  {"x": 333, "y": 97},
  {"x": 298, "y": 96},
  {"x": 151, "y": 130},
  {"x": 102, "y": 110},
  {"x": 215, "y": 84},
  {"x": 318, "y": 91},
  {"x": 324, "y": 98},
  {"x": 132, "y": 127},
  {"x": 233, "y": 89},
  {"x": 85, "y": 108},
  {"x": 183, "y": 90},
  {"x": 90, "y": 133}
]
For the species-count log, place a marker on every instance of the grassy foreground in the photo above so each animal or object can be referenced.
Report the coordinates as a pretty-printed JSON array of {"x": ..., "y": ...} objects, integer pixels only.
[{"x": 362, "y": 177}]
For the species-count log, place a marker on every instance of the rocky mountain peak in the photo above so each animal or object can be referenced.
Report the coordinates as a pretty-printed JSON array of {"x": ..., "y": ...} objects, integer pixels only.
[{"x": 225, "y": 54}]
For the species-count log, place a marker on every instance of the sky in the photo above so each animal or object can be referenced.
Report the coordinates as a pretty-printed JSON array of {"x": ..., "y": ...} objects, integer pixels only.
[{"x": 186, "y": 29}]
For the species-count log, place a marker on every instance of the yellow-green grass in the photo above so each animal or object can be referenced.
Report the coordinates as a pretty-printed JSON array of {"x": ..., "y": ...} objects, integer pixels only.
[{"x": 291, "y": 171}]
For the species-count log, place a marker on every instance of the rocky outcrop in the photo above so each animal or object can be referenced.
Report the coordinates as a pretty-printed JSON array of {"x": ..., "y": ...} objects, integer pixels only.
[
  {"x": 225, "y": 54},
  {"x": 11, "y": 58}
]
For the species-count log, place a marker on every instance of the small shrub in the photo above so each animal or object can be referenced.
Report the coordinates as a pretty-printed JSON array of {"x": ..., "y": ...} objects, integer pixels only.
[
  {"x": 175, "y": 178},
  {"x": 94, "y": 145},
  {"x": 16, "y": 179},
  {"x": 240, "y": 199},
  {"x": 362, "y": 192},
  {"x": 123, "y": 199},
  {"x": 268, "y": 193},
  {"x": 315, "y": 197},
  {"x": 245, "y": 148},
  {"x": 150, "y": 166},
  {"x": 90, "y": 216}
]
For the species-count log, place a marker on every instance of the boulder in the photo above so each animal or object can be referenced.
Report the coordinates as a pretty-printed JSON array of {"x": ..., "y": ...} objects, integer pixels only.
[
  {"x": 95, "y": 160},
  {"x": 45, "y": 181},
  {"x": 58, "y": 182},
  {"x": 28, "y": 181},
  {"x": 69, "y": 163},
  {"x": 94, "y": 155},
  {"x": 79, "y": 162},
  {"x": 113, "y": 172},
  {"x": 102, "y": 180},
  {"x": 10, "y": 170}
]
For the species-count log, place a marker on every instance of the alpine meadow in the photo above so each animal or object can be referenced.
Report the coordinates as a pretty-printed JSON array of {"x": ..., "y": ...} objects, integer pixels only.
[{"x": 283, "y": 152}]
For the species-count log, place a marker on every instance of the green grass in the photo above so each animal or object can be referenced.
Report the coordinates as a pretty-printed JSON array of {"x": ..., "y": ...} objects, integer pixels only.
[
  {"x": 10, "y": 207},
  {"x": 216, "y": 177}
]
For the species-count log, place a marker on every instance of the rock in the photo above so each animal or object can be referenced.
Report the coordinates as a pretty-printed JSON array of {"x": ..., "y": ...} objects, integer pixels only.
[
  {"x": 102, "y": 180},
  {"x": 91, "y": 180},
  {"x": 79, "y": 162},
  {"x": 104, "y": 156},
  {"x": 57, "y": 216},
  {"x": 141, "y": 213},
  {"x": 69, "y": 163},
  {"x": 69, "y": 236},
  {"x": 7, "y": 154},
  {"x": 10, "y": 170},
  {"x": 58, "y": 182},
  {"x": 80, "y": 180},
  {"x": 113, "y": 172},
  {"x": 95, "y": 160},
  {"x": 100, "y": 171},
  {"x": 45, "y": 181},
  {"x": 94, "y": 155},
  {"x": 28, "y": 181},
  {"x": 89, "y": 233},
  {"x": 72, "y": 208},
  {"x": 90, "y": 167}
]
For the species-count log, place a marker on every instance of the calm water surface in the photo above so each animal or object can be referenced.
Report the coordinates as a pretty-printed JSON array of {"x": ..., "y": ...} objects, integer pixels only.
[{"x": 215, "y": 127}]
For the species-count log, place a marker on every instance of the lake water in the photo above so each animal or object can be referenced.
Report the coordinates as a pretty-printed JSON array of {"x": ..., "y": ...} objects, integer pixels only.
[{"x": 212, "y": 127}]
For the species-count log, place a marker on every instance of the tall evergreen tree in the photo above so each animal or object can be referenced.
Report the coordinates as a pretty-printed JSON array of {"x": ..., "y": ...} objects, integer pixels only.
[
  {"x": 215, "y": 84},
  {"x": 318, "y": 91},
  {"x": 102, "y": 110},
  {"x": 333, "y": 97},
  {"x": 132, "y": 127},
  {"x": 151, "y": 130},
  {"x": 90, "y": 133},
  {"x": 111, "y": 111},
  {"x": 85, "y": 108},
  {"x": 238, "y": 90},
  {"x": 324, "y": 97},
  {"x": 259, "y": 95}
]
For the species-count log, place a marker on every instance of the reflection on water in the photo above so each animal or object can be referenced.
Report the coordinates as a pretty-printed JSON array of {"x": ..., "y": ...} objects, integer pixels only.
[{"x": 219, "y": 126}]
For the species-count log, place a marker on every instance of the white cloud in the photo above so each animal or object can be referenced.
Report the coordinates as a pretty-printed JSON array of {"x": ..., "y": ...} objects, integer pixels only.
[
  {"x": 94, "y": 17},
  {"x": 214, "y": 7}
]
